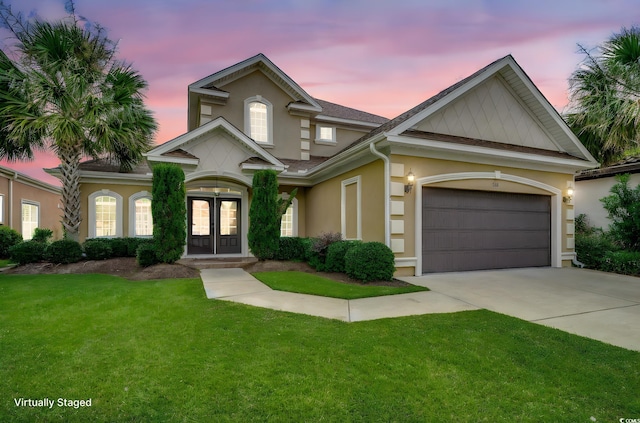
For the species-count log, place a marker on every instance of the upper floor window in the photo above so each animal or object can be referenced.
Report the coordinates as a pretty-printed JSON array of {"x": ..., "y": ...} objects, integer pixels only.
[
  {"x": 325, "y": 134},
  {"x": 258, "y": 120}
]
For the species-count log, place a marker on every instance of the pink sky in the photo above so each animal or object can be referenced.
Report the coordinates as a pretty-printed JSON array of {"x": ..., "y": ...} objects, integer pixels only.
[{"x": 378, "y": 56}]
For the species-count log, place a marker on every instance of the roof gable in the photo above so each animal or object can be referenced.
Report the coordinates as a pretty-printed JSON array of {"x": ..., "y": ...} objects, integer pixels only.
[
  {"x": 214, "y": 83},
  {"x": 175, "y": 149}
]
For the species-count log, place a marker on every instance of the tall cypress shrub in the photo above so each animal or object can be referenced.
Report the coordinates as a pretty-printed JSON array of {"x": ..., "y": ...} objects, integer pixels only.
[
  {"x": 169, "y": 212},
  {"x": 264, "y": 215}
]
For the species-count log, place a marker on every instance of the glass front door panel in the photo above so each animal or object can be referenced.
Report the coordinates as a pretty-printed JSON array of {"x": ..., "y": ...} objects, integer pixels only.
[
  {"x": 200, "y": 218},
  {"x": 228, "y": 217}
]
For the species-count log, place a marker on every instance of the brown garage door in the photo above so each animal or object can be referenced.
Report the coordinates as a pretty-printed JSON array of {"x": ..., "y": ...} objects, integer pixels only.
[{"x": 474, "y": 230}]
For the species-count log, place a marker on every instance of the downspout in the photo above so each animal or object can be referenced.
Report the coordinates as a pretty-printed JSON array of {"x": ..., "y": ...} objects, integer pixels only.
[{"x": 387, "y": 183}]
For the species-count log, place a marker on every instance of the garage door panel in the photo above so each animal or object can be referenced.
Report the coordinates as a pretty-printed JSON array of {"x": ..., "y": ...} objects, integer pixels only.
[{"x": 466, "y": 230}]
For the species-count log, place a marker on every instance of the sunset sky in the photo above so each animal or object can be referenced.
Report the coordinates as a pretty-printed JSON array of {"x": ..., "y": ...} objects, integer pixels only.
[{"x": 382, "y": 57}]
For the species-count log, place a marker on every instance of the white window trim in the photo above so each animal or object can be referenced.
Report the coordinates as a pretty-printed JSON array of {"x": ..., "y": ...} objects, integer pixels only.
[
  {"x": 247, "y": 119},
  {"x": 294, "y": 216},
  {"x": 324, "y": 141},
  {"x": 132, "y": 212},
  {"x": 343, "y": 206},
  {"x": 27, "y": 237},
  {"x": 92, "y": 212},
  {"x": 2, "y": 209}
]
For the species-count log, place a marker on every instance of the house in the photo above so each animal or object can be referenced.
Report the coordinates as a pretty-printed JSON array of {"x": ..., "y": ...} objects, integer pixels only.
[
  {"x": 594, "y": 184},
  {"x": 27, "y": 203},
  {"x": 476, "y": 177}
]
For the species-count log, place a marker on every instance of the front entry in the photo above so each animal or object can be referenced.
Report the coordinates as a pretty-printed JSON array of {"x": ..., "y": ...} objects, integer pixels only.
[{"x": 214, "y": 226}]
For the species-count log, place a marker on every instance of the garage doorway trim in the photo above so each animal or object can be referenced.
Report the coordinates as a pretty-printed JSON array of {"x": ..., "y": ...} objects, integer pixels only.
[{"x": 556, "y": 207}]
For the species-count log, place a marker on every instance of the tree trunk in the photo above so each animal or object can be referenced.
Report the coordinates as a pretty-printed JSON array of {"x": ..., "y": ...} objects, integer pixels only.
[{"x": 70, "y": 177}]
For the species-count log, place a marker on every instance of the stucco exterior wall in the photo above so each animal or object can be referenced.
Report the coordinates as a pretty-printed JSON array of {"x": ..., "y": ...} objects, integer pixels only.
[
  {"x": 125, "y": 191},
  {"x": 588, "y": 194},
  {"x": 16, "y": 191},
  {"x": 324, "y": 203}
]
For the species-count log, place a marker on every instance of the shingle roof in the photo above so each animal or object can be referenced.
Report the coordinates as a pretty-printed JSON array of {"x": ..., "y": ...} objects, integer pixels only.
[
  {"x": 106, "y": 165},
  {"x": 628, "y": 165},
  {"x": 343, "y": 112}
]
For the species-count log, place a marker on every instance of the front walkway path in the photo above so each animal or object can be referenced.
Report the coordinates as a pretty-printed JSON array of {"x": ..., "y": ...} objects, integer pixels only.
[{"x": 239, "y": 286}]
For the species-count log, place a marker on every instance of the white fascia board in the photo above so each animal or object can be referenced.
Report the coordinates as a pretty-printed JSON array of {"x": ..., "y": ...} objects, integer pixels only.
[
  {"x": 116, "y": 178},
  {"x": 248, "y": 166},
  {"x": 176, "y": 160},
  {"x": 304, "y": 107},
  {"x": 477, "y": 154},
  {"x": 331, "y": 119},
  {"x": 209, "y": 92}
]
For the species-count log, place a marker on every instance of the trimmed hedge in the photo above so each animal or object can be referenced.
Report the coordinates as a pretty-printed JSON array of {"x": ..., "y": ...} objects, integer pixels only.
[
  {"x": 97, "y": 249},
  {"x": 8, "y": 238},
  {"x": 291, "y": 248},
  {"x": 370, "y": 261},
  {"x": 169, "y": 211},
  {"x": 64, "y": 251},
  {"x": 336, "y": 254},
  {"x": 264, "y": 217},
  {"x": 28, "y": 252},
  {"x": 146, "y": 255},
  {"x": 592, "y": 248}
]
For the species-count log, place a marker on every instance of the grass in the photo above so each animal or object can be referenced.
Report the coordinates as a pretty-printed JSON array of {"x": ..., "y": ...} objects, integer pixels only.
[
  {"x": 4, "y": 262},
  {"x": 160, "y": 351},
  {"x": 308, "y": 283}
]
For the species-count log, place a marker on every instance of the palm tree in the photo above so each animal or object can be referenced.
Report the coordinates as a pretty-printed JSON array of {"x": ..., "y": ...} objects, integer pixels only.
[
  {"x": 66, "y": 92},
  {"x": 605, "y": 95}
]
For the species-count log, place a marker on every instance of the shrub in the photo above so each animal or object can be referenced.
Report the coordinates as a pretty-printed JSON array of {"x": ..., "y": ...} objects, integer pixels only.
[
  {"x": 97, "y": 249},
  {"x": 146, "y": 255},
  {"x": 64, "y": 251},
  {"x": 591, "y": 248},
  {"x": 27, "y": 252},
  {"x": 118, "y": 247},
  {"x": 42, "y": 235},
  {"x": 623, "y": 206},
  {"x": 264, "y": 217},
  {"x": 291, "y": 248},
  {"x": 370, "y": 261},
  {"x": 8, "y": 238},
  {"x": 336, "y": 253},
  {"x": 624, "y": 262},
  {"x": 317, "y": 252},
  {"x": 134, "y": 243},
  {"x": 168, "y": 210}
]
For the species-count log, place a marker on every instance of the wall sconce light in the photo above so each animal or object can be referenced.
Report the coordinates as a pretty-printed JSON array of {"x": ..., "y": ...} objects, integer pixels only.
[
  {"x": 410, "y": 179},
  {"x": 569, "y": 196}
]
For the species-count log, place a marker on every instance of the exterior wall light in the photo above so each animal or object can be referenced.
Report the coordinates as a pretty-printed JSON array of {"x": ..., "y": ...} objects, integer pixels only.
[
  {"x": 569, "y": 196},
  {"x": 410, "y": 179}
]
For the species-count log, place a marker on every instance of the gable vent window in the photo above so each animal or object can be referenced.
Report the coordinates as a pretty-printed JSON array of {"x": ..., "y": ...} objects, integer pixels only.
[{"x": 325, "y": 135}]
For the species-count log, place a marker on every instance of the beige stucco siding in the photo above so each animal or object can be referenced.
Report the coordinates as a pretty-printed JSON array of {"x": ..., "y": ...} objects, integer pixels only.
[
  {"x": 324, "y": 203},
  {"x": 15, "y": 192},
  {"x": 286, "y": 128},
  {"x": 126, "y": 191}
]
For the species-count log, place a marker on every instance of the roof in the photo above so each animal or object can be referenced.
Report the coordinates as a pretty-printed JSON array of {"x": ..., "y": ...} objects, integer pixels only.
[
  {"x": 24, "y": 178},
  {"x": 107, "y": 165},
  {"x": 343, "y": 112},
  {"x": 628, "y": 165}
]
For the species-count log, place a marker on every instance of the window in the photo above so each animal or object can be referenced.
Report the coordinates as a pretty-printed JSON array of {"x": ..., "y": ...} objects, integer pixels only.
[
  {"x": 228, "y": 217},
  {"x": 289, "y": 222},
  {"x": 140, "y": 218},
  {"x": 258, "y": 120},
  {"x": 1, "y": 209},
  {"x": 325, "y": 134},
  {"x": 30, "y": 219},
  {"x": 105, "y": 214}
]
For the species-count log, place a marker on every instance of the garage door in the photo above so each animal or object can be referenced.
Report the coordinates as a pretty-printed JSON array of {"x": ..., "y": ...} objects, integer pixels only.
[{"x": 475, "y": 230}]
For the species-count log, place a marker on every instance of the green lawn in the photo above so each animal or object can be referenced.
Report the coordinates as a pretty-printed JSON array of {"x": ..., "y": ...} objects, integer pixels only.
[
  {"x": 159, "y": 351},
  {"x": 308, "y": 283},
  {"x": 4, "y": 262}
]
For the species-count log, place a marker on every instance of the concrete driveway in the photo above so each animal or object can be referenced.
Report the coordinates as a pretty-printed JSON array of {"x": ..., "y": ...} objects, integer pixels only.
[{"x": 596, "y": 305}]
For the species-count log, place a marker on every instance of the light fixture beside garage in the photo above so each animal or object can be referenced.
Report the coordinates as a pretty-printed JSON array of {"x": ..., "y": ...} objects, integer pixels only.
[
  {"x": 410, "y": 179},
  {"x": 569, "y": 197}
]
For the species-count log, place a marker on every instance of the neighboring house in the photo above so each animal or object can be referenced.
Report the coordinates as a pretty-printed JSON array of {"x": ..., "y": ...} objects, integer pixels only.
[
  {"x": 490, "y": 159},
  {"x": 27, "y": 203},
  {"x": 592, "y": 185}
]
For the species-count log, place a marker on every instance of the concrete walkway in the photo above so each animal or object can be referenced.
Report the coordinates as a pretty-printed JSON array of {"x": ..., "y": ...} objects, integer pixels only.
[
  {"x": 596, "y": 305},
  {"x": 238, "y": 286}
]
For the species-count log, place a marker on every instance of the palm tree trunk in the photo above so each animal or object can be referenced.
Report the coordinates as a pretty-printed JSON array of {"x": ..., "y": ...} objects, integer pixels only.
[{"x": 70, "y": 177}]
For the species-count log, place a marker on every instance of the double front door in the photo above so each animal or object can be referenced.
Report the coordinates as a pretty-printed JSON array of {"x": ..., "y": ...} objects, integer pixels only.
[{"x": 214, "y": 226}]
